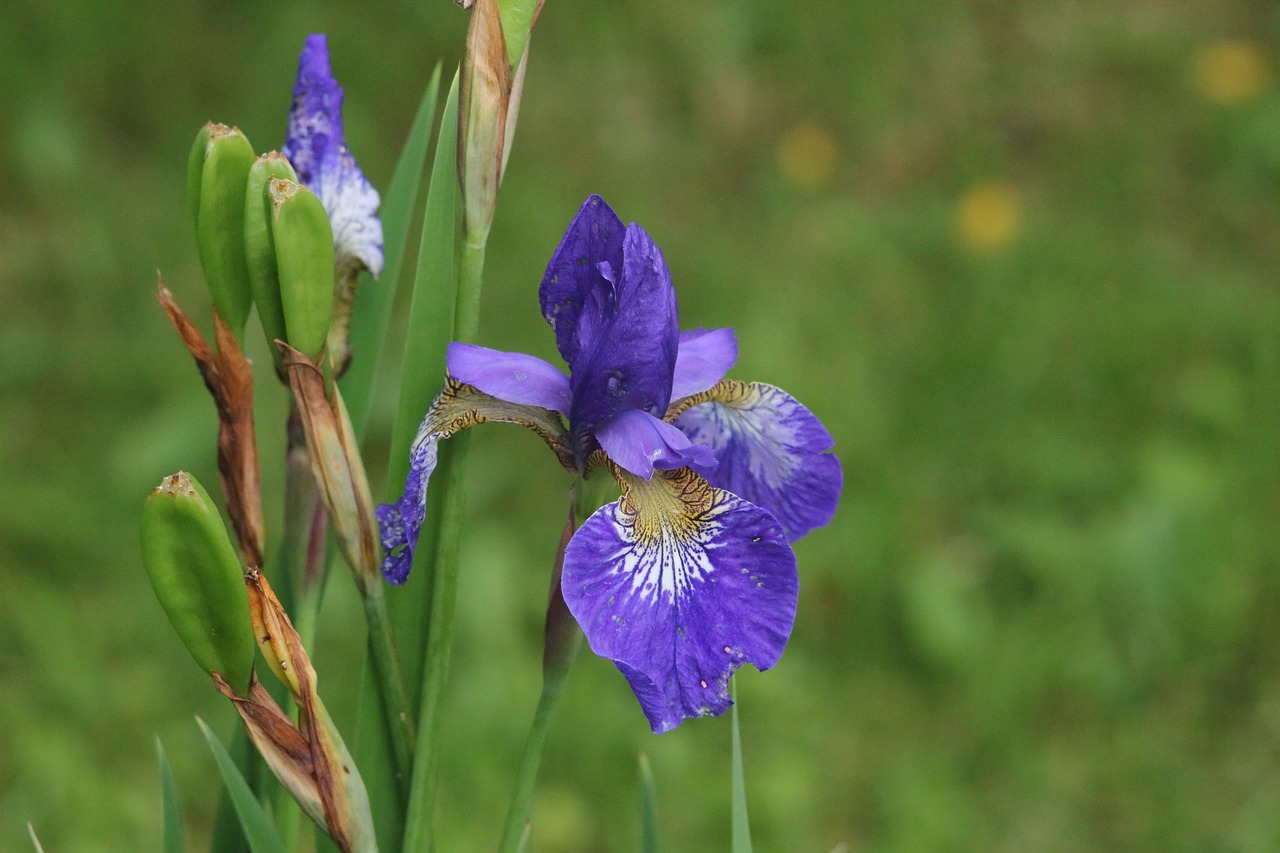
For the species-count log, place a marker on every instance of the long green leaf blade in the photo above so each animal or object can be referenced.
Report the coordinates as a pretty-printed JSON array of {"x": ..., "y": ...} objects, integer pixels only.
[
  {"x": 372, "y": 313},
  {"x": 431, "y": 310},
  {"x": 170, "y": 807},
  {"x": 430, "y": 331},
  {"x": 741, "y": 833},
  {"x": 258, "y": 827}
]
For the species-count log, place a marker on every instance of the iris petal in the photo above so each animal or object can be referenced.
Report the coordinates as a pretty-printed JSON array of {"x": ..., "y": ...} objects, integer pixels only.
[
  {"x": 458, "y": 407},
  {"x": 680, "y": 583},
  {"x": 511, "y": 376},
  {"x": 639, "y": 442},
  {"x": 352, "y": 205},
  {"x": 315, "y": 120},
  {"x": 630, "y": 362},
  {"x": 770, "y": 449},
  {"x": 399, "y": 523},
  {"x": 704, "y": 357},
  {"x": 576, "y": 299},
  {"x": 316, "y": 149}
]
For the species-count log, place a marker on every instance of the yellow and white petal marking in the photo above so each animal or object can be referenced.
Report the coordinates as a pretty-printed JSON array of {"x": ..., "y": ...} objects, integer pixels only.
[{"x": 680, "y": 583}]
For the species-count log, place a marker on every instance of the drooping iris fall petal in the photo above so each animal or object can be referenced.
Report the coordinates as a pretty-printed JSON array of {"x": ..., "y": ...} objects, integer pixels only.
[
  {"x": 769, "y": 449},
  {"x": 457, "y": 407},
  {"x": 680, "y": 583}
]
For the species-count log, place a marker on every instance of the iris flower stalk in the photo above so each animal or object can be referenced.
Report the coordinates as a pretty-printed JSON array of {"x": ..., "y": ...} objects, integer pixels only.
[
  {"x": 488, "y": 103},
  {"x": 316, "y": 149},
  {"x": 690, "y": 572}
]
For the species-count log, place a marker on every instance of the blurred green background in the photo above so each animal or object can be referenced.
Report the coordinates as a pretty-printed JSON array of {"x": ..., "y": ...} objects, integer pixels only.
[{"x": 1019, "y": 256}]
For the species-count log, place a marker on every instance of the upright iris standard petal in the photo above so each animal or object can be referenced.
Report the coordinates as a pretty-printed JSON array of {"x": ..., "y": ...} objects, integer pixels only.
[
  {"x": 576, "y": 299},
  {"x": 770, "y": 450},
  {"x": 639, "y": 442},
  {"x": 630, "y": 364},
  {"x": 680, "y": 583},
  {"x": 511, "y": 376},
  {"x": 704, "y": 357},
  {"x": 458, "y": 407},
  {"x": 318, "y": 152}
]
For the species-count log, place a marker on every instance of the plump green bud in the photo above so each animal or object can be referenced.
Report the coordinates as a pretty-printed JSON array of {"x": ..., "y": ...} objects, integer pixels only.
[
  {"x": 260, "y": 250},
  {"x": 197, "y": 577},
  {"x": 216, "y": 175},
  {"x": 303, "y": 241}
]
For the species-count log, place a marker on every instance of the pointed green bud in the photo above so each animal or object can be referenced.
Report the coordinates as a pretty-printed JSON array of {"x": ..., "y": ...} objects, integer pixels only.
[
  {"x": 260, "y": 250},
  {"x": 216, "y": 175},
  {"x": 197, "y": 577},
  {"x": 303, "y": 241}
]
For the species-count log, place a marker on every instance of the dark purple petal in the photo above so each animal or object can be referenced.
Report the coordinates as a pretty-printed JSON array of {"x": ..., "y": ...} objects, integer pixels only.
[
  {"x": 401, "y": 521},
  {"x": 679, "y": 600},
  {"x": 576, "y": 299},
  {"x": 317, "y": 151},
  {"x": 640, "y": 442},
  {"x": 630, "y": 362},
  {"x": 771, "y": 450},
  {"x": 315, "y": 120},
  {"x": 511, "y": 376},
  {"x": 704, "y": 357}
]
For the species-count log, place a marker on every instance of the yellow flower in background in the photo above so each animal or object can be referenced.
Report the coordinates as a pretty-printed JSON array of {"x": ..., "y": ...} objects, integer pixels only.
[
  {"x": 1230, "y": 71},
  {"x": 988, "y": 216},
  {"x": 807, "y": 156}
]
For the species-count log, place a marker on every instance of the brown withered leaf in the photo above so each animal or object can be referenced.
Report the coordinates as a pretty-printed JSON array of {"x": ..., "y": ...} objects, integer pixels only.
[
  {"x": 336, "y": 463},
  {"x": 280, "y": 743},
  {"x": 327, "y": 766},
  {"x": 226, "y": 374}
]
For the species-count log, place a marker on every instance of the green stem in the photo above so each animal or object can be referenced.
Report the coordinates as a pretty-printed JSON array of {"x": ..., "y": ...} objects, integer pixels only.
[
  {"x": 563, "y": 639},
  {"x": 396, "y": 710},
  {"x": 466, "y": 317},
  {"x": 418, "y": 829},
  {"x": 444, "y": 580}
]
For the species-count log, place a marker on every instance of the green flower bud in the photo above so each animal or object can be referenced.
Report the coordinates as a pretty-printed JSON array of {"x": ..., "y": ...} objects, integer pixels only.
[
  {"x": 197, "y": 577},
  {"x": 260, "y": 250},
  {"x": 216, "y": 175},
  {"x": 483, "y": 102},
  {"x": 303, "y": 241}
]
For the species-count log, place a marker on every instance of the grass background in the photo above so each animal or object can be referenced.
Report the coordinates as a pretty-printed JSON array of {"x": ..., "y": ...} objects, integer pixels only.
[{"x": 1020, "y": 257}]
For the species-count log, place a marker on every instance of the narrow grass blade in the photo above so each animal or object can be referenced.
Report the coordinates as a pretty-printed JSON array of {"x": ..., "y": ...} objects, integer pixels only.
[
  {"x": 35, "y": 842},
  {"x": 741, "y": 834},
  {"x": 258, "y": 827},
  {"x": 372, "y": 313},
  {"x": 648, "y": 808},
  {"x": 170, "y": 807}
]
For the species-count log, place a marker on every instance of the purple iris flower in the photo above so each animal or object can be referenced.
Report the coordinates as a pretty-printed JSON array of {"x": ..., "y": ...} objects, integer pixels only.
[
  {"x": 690, "y": 573},
  {"x": 316, "y": 149}
]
